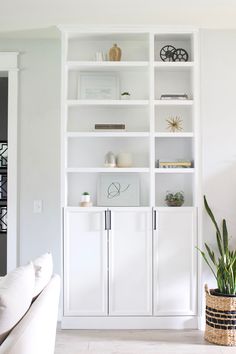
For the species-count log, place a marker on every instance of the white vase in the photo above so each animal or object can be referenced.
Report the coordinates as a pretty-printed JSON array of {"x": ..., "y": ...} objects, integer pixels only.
[{"x": 124, "y": 159}]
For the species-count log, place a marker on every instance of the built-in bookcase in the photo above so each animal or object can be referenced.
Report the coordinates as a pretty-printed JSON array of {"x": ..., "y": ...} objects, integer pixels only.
[
  {"x": 142, "y": 73},
  {"x": 122, "y": 253}
]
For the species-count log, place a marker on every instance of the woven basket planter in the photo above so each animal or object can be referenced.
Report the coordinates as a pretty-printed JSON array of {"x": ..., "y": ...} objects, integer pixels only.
[{"x": 220, "y": 319}]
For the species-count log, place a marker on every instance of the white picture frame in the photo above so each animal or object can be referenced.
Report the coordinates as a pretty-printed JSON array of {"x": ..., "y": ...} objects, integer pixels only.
[
  {"x": 121, "y": 190},
  {"x": 98, "y": 86}
]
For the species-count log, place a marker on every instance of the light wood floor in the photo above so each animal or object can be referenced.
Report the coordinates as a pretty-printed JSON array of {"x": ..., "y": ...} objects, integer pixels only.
[{"x": 136, "y": 342}]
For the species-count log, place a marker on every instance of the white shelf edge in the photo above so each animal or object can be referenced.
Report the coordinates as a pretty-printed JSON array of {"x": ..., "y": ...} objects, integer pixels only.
[
  {"x": 174, "y": 170},
  {"x": 173, "y": 102},
  {"x": 108, "y": 170},
  {"x": 106, "y": 64},
  {"x": 96, "y": 207},
  {"x": 174, "y": 65},
  {"x": 108, "y": 134},
  {"x": 174, "y": 135},
  {"x": 121, "y": 103}
]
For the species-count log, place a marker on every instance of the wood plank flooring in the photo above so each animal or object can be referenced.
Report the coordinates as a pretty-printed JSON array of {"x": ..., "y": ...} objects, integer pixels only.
[{"x": 136, "y": 342}]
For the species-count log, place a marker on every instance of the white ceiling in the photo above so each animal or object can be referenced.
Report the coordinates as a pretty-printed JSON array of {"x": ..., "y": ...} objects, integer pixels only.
[{"x": 20, "y": 15}]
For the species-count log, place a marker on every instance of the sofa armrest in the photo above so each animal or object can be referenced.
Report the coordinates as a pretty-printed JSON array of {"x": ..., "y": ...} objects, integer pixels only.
[{"x": 36, "y": 331}]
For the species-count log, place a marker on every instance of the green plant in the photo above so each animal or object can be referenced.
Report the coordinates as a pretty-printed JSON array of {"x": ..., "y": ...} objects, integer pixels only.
[
  {"x": 85, "y": 193},
  {"x": 223, "y": 267},
  {"x": 125, "y": 94},
  {"x": 174, "y": 199}
]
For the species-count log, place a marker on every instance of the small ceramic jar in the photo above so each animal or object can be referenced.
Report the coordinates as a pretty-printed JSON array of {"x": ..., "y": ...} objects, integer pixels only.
[{"x": 124, "y": 159}]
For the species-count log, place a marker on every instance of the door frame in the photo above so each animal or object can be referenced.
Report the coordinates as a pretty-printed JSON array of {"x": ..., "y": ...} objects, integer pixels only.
[{"x": 9, "y": 67}]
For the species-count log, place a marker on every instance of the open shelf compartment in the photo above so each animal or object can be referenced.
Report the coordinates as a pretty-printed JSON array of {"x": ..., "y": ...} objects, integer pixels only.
[
  {"x": 174, "y": 183},
  {"x": 176, "y": 40},
  {"x": 84, "y": 46},
  {"x": 83, "y": 119},
  {"x": 184, "y": 113},
  {"x": 79, "y": 183},
  {"x": 90, "y": 152}
]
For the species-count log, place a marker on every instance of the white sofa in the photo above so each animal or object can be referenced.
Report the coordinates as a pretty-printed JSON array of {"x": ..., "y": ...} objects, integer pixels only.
[{"x": 35, "y": 332}]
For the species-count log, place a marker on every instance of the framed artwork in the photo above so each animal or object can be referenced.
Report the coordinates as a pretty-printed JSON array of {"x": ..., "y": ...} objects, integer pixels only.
[
  {"x": 98, "y": 86},
  {"x": 118, "y": 190}
]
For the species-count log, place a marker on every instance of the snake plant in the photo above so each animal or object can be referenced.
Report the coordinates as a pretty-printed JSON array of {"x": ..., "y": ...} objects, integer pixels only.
[{"x": 222, "y": 266}]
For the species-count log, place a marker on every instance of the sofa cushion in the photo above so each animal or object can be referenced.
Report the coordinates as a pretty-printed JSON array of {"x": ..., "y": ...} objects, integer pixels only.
[
  {"x": 16, "y": 292},
  {"x": 43, "y": 272}
]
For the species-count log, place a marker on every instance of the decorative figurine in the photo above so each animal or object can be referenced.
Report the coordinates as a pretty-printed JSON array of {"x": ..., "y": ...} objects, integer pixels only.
[
  {"x": 180, "y": 54},
  {"x": 115, "y": 53},
  {"x": 170, "y": 53},
  {"x": 110, "y": 160},
  {"x": 167, "y": 52},
  {"x": 174, "y": 124}
]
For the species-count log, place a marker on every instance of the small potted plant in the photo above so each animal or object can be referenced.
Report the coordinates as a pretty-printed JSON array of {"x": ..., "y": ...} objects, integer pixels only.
[
  {"x": 174, "y": 199},
  {"x": 85, "y": 200},
  {"x": 221, "y": 302},
  {"x": 125, "y": 95}
]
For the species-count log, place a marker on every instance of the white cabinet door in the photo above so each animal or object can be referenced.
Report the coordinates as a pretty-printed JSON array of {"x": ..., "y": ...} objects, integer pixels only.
[
  {"x": 175, "y": 261},
  {"x": 85, "y": 263},
  {"x": 130, "y": 262}
]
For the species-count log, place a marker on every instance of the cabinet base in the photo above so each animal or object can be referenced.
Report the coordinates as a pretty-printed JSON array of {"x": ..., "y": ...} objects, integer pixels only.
[{"x": 180, "y": 322}]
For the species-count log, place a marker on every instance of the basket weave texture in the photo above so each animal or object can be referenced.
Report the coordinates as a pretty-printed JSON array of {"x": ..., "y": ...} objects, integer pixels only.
[{"x": 220, "y": 319}]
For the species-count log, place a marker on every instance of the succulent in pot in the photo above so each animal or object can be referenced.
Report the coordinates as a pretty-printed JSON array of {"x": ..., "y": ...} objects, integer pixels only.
[{"x": 174, "y": 199}]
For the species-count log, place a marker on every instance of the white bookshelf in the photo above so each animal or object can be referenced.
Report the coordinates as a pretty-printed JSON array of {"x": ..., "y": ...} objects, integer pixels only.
[
  {"x": 147, "y": 138},
  {"x": 144, "y": 114}
]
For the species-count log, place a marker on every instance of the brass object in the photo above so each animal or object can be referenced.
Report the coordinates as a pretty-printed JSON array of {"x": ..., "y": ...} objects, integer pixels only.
[
  {"x": 174, "y": 124},
  {"x": 115, "y": 53}
]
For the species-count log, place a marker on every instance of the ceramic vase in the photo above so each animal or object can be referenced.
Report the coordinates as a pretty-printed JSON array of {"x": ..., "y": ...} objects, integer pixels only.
[
  {"x": 115, "y": 53},
  {"x": 110, "y": 160},
  {"x": 124, "y": 159}
]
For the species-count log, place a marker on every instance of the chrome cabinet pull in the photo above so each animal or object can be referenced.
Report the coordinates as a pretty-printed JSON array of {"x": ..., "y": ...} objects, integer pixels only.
[
  {"x": 106, "y": 211},
  {"x": 109, "y": 220},
  {"x": 154, "y": 220}
]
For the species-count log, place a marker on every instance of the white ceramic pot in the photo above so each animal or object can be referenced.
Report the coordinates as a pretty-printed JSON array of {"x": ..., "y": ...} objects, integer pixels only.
[
  {"x": 124, "y": 159},
  {"x": 85, "y": 198}
]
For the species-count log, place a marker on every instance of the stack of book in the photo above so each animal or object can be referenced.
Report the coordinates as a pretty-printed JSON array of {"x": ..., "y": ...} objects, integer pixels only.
[
  {"x": 175, "y": 96},
  {"x": 174, "y": 164},
  {"x": 109, "y": 127}
]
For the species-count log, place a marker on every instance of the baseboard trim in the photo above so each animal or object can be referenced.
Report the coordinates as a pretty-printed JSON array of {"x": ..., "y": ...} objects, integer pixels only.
[{"x": 180, "y": 322}]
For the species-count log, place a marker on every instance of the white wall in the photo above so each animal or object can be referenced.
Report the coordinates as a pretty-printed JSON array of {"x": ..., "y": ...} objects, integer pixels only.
[
  {"x": 26, "y": 14},
  {"x": 218, "y": 115},
  {"x": 39, "y": 139}
]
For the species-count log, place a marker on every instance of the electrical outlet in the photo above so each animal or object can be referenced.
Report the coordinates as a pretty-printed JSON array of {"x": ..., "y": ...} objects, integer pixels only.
[{"x": 38, "y": 206}]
